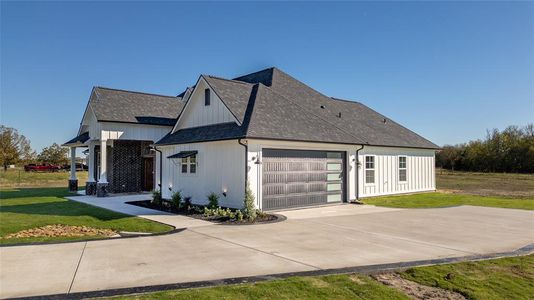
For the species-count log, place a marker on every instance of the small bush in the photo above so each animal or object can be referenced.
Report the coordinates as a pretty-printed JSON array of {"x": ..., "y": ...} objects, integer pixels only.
[
  {"x": 176, "y": 200},
  {"x": 213, "y": 200},
  {"x": 187, "y": 202},
  {"x": 239, "y": 216},
  {"x": 156, "y": 198},
  {"x": 249, "y": 208}
]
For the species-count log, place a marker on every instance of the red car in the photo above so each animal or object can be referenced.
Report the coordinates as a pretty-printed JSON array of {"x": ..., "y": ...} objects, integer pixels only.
[{"x": 41, "y": 168}]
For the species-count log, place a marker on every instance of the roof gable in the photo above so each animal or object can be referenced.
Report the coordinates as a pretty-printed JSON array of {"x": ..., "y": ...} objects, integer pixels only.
[
  {"x": 112, "y": 105},
  {"x": 234, "y": 94}
]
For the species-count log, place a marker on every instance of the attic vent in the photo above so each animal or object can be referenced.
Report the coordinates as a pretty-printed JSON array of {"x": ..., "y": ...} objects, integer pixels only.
[{"x": 322, "y": 106}]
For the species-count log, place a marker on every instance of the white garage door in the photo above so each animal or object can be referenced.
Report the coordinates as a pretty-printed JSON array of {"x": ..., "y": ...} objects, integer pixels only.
[{"x": 298, "y": 178}]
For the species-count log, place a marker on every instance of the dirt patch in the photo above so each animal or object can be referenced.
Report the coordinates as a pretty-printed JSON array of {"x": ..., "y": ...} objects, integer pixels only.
[
  {"x": 415, "y": 290},
  {"x": 59, "y": 230}
]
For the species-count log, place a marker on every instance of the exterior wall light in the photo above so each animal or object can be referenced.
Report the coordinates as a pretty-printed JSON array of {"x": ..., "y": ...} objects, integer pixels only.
[{"x": 224, "y": 191}]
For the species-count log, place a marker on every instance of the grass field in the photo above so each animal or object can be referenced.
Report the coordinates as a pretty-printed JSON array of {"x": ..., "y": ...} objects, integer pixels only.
[
  {"x": 429, "y": 200},
  {"x": 27, "y": 208},
  {"x": 505, "y": 278},
  {"x": 486, "y": 184},
  {"x": 466, "y": 188},
  {"x": 19, "y": 178}
]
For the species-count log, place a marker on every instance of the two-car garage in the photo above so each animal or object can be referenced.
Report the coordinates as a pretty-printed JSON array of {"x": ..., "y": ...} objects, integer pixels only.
[{"x": 299, "y": 178}]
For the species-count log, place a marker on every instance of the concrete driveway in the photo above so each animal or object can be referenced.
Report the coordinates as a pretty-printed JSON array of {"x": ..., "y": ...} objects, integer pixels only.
[{"x": 311, "y": 239}]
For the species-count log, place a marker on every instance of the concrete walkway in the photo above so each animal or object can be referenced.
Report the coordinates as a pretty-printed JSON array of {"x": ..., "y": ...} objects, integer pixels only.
[
  {"x": 314, "y": 239},
  {"x": 118, "y": 203}
]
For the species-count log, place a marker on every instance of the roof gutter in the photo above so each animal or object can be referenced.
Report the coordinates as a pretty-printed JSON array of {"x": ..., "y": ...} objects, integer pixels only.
[
  {"x": 160, "y": 167},
  {"x": 246, "y": 161},
  {"x": 358, "y": 172}
]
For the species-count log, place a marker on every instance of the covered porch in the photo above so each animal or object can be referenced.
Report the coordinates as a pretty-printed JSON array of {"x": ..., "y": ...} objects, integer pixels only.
[{"x": 115, "y": 165}]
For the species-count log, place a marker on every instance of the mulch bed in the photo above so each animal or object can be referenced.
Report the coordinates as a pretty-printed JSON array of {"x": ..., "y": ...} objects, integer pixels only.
[
  {"x": 59, "y": 230},
  {"x": 261, "y": 219}
]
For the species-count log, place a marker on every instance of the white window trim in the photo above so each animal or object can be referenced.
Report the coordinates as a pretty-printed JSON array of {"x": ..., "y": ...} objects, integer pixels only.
[
  {"x": 188, "y": 163},
  {"x": 365, "y": 170},
  {"x": 405, "y": 168}
]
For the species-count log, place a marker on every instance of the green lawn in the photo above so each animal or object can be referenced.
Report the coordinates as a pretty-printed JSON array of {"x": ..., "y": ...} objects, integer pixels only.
[
  {"x": 428, "y": 200},
  {"x": 505, "y": 278},
  {"x": 35, "y": 207},
  {"x": 19, "y": 178},
  {"x": 321, "y": 287}
]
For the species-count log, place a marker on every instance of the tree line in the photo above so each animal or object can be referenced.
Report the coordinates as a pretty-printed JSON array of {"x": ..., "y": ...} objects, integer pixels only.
[
  {"x": 510, "y": 150},
  {"x": 15, "y": 149}
]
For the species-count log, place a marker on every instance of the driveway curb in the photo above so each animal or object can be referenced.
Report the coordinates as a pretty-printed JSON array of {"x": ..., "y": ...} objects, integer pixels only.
[{"x": 370, "y": 269}]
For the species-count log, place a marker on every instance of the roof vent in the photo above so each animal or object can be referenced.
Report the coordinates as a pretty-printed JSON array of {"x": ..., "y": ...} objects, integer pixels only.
[
  {"x": 384, "y": 120},
  {"x": 339, "y": 115},
  {"x": 322, "y": 106}
]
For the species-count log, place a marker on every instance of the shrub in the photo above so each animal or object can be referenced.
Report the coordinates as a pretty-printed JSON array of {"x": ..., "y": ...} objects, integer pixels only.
[
  {"x": 239, "y": 216},
  {"x": 156, "y": 198},
  {"x": 176, "y": 200},
  {"x": 213, "y": 200},
  {"x": 187, "y": 202},
  {"x": 249, "y": 208}
]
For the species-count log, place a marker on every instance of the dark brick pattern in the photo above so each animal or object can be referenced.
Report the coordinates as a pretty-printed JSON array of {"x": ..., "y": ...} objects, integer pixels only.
[
  {"x": 90, "y": 188},
  {"x": 127, "y": 166},
  {"x": 73, "y": 185}
]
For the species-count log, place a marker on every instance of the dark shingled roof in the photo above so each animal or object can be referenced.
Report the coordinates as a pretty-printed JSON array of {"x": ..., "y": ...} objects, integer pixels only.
[
  {"x": 271, "y": 104},
  {"x": 114, "y": 105},
  {"x": 80, "y": 139}
]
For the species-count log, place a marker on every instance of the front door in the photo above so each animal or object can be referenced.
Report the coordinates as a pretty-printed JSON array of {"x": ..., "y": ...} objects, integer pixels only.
[{"x": 148, "y": 178}]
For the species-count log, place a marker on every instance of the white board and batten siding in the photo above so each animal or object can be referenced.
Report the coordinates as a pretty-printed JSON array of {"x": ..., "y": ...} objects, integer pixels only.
[
  {"x": 220, "y": 167},
  {"x": 420, "y": 168},
  {"x": 136, "y": 132},
  {"x": 197, "y": 114},
  {"x": 420, "y": 171}
]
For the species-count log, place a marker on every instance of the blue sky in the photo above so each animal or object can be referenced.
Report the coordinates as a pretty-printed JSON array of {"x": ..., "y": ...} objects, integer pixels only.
[{"x": 446, "y": 70}]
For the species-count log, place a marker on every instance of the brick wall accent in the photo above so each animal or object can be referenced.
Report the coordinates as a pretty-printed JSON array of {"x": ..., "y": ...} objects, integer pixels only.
[{"x": 125, "y": 165}]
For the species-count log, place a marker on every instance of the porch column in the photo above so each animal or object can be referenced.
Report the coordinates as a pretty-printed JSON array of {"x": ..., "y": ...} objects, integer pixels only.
[
  {"x": 90, "y": 185},
  {"x": 102, "y": 185},
  {"x": 73, "y": 181}
]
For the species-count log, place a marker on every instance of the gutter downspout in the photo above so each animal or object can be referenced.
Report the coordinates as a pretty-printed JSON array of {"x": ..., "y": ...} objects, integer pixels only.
[
  {"x": 246, "y": 162},
  {"x": 160, "y": 168},
  {"x": 358, "y": 172}
]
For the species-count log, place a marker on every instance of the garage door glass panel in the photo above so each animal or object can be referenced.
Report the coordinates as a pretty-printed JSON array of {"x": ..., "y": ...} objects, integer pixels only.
[
  {"x": 333, "y": 167},
  {"x": 334, "y": 176},
  {"x": 334, "y": 187},
  {"x": 334, "y": 198}
]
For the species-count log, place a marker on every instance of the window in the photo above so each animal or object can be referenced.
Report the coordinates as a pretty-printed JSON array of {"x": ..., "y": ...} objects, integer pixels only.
[
  {"x": 207, "y": 99},
  {"x": 189, "y": 164},
  {"x": 402, "y": 168},
  {"x": 369, "y": 169}
]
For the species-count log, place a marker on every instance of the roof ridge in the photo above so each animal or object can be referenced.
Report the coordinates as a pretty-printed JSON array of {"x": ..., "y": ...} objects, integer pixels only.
[
  {"x": 263, "y": 70},
  {"x": 312, "y": 113},
  {"x": 134, "y": 92},
  {"x": 231, "y": 80},
  {"x": 345, "y": 100}
]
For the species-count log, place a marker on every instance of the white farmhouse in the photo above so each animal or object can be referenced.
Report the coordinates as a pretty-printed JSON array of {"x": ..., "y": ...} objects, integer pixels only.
[{"x": 292, "y": 145}]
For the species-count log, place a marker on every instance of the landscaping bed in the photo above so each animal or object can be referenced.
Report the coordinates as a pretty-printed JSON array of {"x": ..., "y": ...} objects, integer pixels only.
[{"x": 198, "y": 212}]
